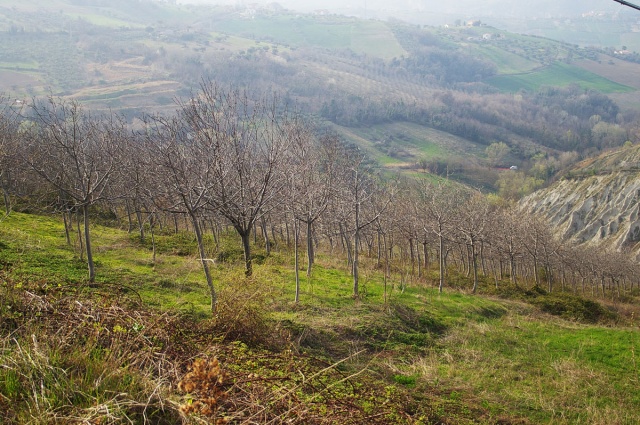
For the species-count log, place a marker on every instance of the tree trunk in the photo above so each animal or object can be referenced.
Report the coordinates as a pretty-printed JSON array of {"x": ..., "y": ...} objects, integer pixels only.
[
  {"x": 413, "y": 257},
  {"x": 129, "y": 219},
  {"x": 386, "y": 266},
  {"x": 274, "y": 236},
  {"x": 426, "y": 257},
  {"x": 87, "y": 242},
  {"x": 346, "y": 244},
  {"x": 467, "y": 252},
  {"x": 356, "y": 240},
  {"x": 474, "y": 262},
  {"x": 80, "y": 242},
  {"x": 214, "y": 233},
  {"x": 495, "y": 270},
  {"x": 419, "y": 259},
  {"x": 140, "y": 224},
  {"x": 255, "y": 233},
  {"x": 265, "y": 235},
  {"x": 512, "y": 266},
  {"x": 310, "y": 250},
  {"x": 153, "y": 238},
  {"x": 67, "y": 225},
  {"x": 379, "y": 253},
  {"x": 297, "y": 265},
  {"x": 7, "y": 201},
  {"x": 441, "y": 265},
  {"x": 203, "y": 260},
  {"x": 246, "y": 246}
]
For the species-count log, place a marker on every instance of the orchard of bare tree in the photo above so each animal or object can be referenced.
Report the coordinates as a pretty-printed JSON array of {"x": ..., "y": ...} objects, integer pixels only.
[{"x": 247, "y": 189}]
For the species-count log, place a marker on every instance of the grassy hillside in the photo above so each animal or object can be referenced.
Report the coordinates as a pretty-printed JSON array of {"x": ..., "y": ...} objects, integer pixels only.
[
  {"x": 367, "y": 37},
  {"x": 119, "y": 349},
  {"x": 398, "y": 144},
  {"x": 558, "y": 75}
]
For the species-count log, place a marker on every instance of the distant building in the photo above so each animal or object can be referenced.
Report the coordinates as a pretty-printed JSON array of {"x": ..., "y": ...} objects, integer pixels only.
[{"x": 275, "y": 7}]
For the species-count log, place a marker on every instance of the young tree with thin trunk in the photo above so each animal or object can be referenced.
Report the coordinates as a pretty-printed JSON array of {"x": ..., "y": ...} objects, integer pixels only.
[
  {"x": 472, "y": 221},
  {"x": 184, "y": 167},
  {"x": 247, "y": 140},
  {"x": 9, "y": 145},
  {"x": 362, "y": 199},
  {"x": 437, "y": 204},
  {"x": 77, "y": 154},
  {"x": 312, "y": 173}
]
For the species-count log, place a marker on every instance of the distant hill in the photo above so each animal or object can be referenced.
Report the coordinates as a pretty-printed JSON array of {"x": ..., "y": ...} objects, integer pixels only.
[
  {"x": 407, "y": 94},
  {"x": 502, "y": 8}
]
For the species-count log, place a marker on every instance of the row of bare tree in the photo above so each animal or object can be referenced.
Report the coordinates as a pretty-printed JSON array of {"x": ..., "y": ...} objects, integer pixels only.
[{"x": 228, "y": 159}]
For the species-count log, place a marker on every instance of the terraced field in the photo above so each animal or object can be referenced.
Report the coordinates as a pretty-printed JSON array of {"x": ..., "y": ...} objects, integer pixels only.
[{"x": 368, "y": 37}]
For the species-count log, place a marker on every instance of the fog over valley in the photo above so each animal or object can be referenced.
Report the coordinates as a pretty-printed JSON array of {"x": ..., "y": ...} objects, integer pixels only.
[{"x": 438, "y": 12}]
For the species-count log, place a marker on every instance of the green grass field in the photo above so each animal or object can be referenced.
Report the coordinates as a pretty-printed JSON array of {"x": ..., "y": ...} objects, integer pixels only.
[
  {"x": 402, "y": 142},
  {"x": 107, "y": 21},
  {"x": 368, "y": 37},
  {"x": 506, "y": 62},
  {"x": 557, "y": 74},
  {"x": 451, "y": 358}
]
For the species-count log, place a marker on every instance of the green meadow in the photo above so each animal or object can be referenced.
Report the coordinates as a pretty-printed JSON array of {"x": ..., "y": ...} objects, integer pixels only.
[
  {"x": 558, "y": 74},
  {"x": 451, "y": 358},
  {"x": 368, "y": 37}
]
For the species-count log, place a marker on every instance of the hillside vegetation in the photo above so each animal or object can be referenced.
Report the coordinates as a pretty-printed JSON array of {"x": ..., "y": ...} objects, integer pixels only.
[
  {"x": 138, "y": 57},
  {"x": 119, "y": 350},
  {"x": 166, "y": 171},
  {"x": 137, "y": 263}
]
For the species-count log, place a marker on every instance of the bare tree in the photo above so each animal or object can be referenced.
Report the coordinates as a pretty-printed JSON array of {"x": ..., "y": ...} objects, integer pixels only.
[
  {"x": 184, "y": 167},
  {"x": 247, "y": 141},
  {"x": 8, "y": 149},
  {"x": 312, "y": 174},
  {"x": 472, "y": 220},
  {"x": 437, "y": 204},
  {"x": 77, "y": 155},
  {"x": 362, "y": 199},
  {"x": 506, "y": 238},
  {"x": 536, "y": 239},
  {"x": 139, "y": 183}
]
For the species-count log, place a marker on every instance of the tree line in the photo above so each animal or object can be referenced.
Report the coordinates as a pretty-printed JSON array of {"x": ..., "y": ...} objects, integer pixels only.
[{"x": 229, "y": 160}]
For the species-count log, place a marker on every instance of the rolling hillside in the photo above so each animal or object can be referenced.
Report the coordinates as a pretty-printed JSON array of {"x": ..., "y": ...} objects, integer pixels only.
[
  {"x": 123, "y": 350},
  {"x": 449, "y": 86}
]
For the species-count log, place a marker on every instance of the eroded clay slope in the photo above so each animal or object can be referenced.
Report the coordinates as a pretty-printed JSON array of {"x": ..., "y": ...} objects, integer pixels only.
[{"x": 597, "y": 202}]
